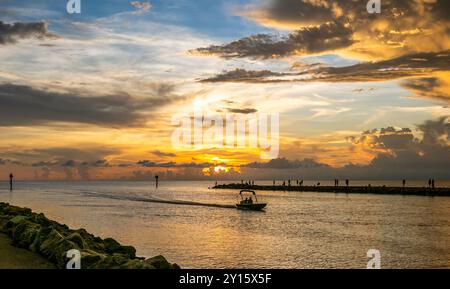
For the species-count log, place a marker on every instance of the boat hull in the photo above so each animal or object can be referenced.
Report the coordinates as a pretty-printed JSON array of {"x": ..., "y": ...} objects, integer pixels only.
[{"x": 251, "y": 207}]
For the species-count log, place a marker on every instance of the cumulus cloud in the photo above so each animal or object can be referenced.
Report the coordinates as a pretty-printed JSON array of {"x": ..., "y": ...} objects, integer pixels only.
[
  {"x": 400, "y": 154},
  {"x": 11, "y": 33},
  {"x": 26, "y": 105}
]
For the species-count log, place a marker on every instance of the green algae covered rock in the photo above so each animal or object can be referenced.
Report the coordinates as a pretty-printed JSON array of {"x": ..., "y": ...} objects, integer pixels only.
[
  {"x": 112, "y": 246},
  {"x": 53, "y": 240}
]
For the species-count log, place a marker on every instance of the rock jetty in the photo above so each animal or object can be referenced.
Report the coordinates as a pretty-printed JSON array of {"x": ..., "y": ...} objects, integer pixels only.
[
  {"x": 53, "y": 240},
  {"x": 380, "y": 190}
]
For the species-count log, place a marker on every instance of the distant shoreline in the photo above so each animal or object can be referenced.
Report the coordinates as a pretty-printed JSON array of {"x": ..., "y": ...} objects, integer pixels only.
[{"x": 378, "y": 190}]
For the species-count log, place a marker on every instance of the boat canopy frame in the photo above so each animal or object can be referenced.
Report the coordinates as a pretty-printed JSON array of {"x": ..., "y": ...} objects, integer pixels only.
[{"x": 248, "y": 191}]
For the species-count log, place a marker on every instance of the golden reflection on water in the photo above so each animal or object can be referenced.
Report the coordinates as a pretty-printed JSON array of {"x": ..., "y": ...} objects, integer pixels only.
[{"x": 298, "y": 230}]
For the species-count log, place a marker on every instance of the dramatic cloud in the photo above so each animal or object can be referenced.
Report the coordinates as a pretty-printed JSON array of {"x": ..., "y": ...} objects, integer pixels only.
[
  {"x": 405, "y": 153},
  {"x": 402, "y": 27},
  {"x": 400, "y": 155},
  {"x": 308, "y": 40},
  {"x": 412, "y": 65},
  {"x": 10, "y": 33},
  {"x": 25, "y": 105}
]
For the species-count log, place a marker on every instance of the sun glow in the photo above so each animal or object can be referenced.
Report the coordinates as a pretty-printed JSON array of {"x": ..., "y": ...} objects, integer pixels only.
[{"x": 218, "y": 169}]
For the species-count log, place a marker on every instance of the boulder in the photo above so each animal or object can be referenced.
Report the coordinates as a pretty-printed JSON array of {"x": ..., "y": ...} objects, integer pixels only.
[
  {"x": 77, "y": 239},
  {"x": 112, "y": 246},
  {"x": 90, "y": 259},
  {"x": 24, "y": 233},
  {"x": 159, "y": 262},
  {"x": 53, "y": 240}
]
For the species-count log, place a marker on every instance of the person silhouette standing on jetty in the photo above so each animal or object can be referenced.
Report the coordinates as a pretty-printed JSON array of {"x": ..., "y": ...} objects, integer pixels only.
[
  {"x": 347, "y": 182},
  {"x": 404, "y": 182},
  {"x": 274, "y": 183},
  {"x": 429, "y": 183},
  {"x": 301, "y": 183},
  {"x": 11, "y": 177},
  {"x": 289, "y": 183},
  {"x": 156, "y": 180}
]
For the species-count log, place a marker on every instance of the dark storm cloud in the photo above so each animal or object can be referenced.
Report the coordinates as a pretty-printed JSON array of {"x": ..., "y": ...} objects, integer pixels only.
[
  {"x": 25, "y": 105},
  {"x": 10, "y": 33},
  {"x": 411, "y": 65},
  {"x": 402, "y": 156},
  {"x": 430, "y": 155},
  {"x": 328, "y": 36}
]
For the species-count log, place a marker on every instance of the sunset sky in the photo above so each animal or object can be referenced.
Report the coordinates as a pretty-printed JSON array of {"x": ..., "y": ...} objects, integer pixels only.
[{"x": 92, "y": 95}]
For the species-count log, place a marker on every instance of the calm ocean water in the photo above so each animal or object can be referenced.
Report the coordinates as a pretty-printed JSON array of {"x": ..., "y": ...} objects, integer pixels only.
[{"x": 298, "y": 230}]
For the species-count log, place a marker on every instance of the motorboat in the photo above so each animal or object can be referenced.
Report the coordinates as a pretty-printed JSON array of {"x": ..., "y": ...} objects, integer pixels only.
[{"x": 249, "y": 202}]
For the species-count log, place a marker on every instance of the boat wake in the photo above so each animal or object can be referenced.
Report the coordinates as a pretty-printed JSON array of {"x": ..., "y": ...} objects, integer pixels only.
[{"x": 157, "y": 200}]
